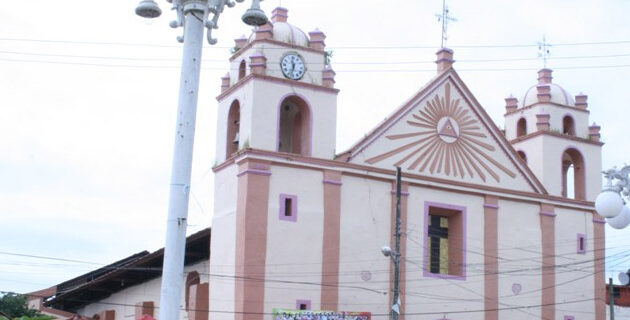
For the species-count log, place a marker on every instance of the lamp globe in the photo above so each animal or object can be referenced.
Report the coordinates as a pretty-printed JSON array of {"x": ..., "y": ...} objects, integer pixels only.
[
  {"x": 608, "y": 204},
  {"x": 622, "y": 220}
]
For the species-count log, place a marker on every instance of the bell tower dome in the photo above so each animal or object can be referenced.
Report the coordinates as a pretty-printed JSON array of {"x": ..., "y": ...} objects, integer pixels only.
[
  {"x": 550, "y": 130},
  {"x": 279, "y": 93}
]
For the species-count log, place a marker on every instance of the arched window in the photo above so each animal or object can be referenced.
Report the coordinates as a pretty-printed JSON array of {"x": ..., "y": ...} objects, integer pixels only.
[
  {"x": 568, "y": 126},
  {"x": 521, "y": 127},
  {"x": 233, "y": 122},
  {"x": 573, "y": 170},
  {"x": 191, "y": 279},
  {"x": 295, "y": 126},
  {"x": 242, "y": 70},
  {"x": 522, "y": 155}
]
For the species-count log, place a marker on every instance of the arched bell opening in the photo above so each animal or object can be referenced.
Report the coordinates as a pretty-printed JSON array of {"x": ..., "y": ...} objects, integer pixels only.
[
  {"x": 573, "y": 171},
  {"x": 233, "y": 129},
  {"x": 294, "y": 134},
  {"x": 242, "y": 70},
  {"x": 568, "y": 126},
  {"x": 521, "y": 127}
]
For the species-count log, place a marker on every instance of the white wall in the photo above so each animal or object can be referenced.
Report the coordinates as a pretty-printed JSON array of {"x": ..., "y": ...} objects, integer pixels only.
[
  {"x": 294, "y": 248},
  {"x": 223, "y": 243},
  {"x": 520, "y": 255},
  {"x": 365, "y": 228}
]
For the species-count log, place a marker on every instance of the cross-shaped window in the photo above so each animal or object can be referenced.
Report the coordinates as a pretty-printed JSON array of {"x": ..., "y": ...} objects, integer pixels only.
[{"x": 438, "y": 242}]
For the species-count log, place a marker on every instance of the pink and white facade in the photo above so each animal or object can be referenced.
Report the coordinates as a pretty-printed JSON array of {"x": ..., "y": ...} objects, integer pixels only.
[{"x": 486, "y": 234}]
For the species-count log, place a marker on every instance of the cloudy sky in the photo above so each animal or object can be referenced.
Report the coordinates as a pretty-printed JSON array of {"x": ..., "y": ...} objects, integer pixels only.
[{"x": 88, "y": 93}]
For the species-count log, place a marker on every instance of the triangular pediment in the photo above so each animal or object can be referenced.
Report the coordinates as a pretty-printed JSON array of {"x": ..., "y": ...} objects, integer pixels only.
[{"x": 443, "y": 132}]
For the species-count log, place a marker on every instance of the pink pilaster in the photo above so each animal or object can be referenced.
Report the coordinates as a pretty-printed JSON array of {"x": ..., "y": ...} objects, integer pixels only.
[
  {"x": 542, "y": 122},
  {"x": 580, "y": 101},
  {"x": 225, "y": 82},
  {"x": 511, "y": 104},
  {"x": 593, "y": 132},
  {"x": 258, "y": 63},
  {"x": 279, "y": 14},
  {"x": 444, "y": 59},
  {"x": 544, "y": 92},
  {"x": 317, "y": 40},
  {"x": 328, "y": 77},
  {"x": 264, "y": 32}
]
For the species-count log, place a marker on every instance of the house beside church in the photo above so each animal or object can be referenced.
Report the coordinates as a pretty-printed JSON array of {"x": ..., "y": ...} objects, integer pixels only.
[{"x": 496, "y": 224}]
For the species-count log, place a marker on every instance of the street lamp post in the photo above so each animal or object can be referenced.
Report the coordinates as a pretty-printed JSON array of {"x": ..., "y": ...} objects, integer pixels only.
[
  {"x": 611, "y": 205},
  {"x": 395, "y": 254},
  {"x": 193, "y": 16}
]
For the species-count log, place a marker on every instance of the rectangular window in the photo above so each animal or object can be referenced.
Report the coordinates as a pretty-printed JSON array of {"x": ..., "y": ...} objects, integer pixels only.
[
  {"x": 288, "y": 207},
  {"x": 581, "y": 243},
  {"x": 303, "y": 304},
  {"x": 445, "y": 234}
]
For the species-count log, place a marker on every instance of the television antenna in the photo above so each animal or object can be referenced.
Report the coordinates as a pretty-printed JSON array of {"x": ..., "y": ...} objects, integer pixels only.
[{"x": 543, "y": 51}]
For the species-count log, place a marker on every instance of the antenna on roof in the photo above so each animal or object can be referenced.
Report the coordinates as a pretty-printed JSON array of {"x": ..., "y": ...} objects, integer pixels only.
[
  {"x": 543, "y": 51},
  {"x": 444, "y": 18}
]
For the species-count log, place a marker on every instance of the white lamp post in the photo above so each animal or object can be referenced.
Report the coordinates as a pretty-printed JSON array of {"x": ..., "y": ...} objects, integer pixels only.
[
  {"x": 610, "y": 203},
  {"x": 193, "y": 16}
]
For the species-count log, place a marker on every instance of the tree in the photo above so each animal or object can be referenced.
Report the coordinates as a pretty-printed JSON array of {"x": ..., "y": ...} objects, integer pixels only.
[{"x": 13, "y": 305}]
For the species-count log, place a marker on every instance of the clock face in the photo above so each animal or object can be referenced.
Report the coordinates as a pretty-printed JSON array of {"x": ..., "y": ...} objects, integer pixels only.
[{"x": 292, "y": 66}]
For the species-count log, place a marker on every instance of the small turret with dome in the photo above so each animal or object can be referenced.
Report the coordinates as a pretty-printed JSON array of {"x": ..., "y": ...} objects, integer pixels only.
[{"x": 550, "y": 131}]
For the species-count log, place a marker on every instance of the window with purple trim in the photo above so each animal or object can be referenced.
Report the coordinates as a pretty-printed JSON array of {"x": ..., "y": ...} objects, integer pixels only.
[
  {"x": 303, "y": 304},
  {"x": 581, "y": 243},
  {"x": 444, "y": 251},
  {"x": 569, "y": 318},
  {"x": 288, "y": 207}
]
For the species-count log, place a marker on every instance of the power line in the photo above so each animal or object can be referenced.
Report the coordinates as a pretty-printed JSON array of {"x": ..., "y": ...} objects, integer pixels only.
[
  {"x": 338, "y": 71},
  {"x": 522, "y": 45},
  {"x": 335, "y": 62}
]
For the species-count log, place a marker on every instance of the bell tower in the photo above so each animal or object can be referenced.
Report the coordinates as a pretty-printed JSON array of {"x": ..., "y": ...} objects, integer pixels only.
[
  {"x": 279, "y": 93},
  {"x": 550, "y": 131}
]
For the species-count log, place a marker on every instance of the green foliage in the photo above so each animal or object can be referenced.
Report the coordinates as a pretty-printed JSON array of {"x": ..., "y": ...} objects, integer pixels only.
[
  {"x": 40, "y": 317},
  {"x": 327, "y": 57},
  {"x": 14, "y": 306}
]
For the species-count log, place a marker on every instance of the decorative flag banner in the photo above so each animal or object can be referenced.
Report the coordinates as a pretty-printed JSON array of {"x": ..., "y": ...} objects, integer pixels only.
[{"x": 288, "y": 314}]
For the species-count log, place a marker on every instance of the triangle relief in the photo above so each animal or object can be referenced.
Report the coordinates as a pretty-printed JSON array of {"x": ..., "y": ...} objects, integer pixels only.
[{"x": 444, "y": 136}]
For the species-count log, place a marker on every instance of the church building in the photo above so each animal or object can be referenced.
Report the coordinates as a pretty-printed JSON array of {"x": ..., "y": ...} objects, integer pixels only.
[{"x": 496, "y": 224}]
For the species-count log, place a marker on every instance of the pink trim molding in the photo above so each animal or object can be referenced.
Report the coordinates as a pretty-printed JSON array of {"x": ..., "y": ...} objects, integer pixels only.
[
  {"x": 402, "y": 193},
  {"x": 334, "y": 182},
  {"x": 599, "y": 221},
  {"x": 254, "y": 171},
  {"x": 547, "y": 213},
  {"x": 282, "y": 207}
]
